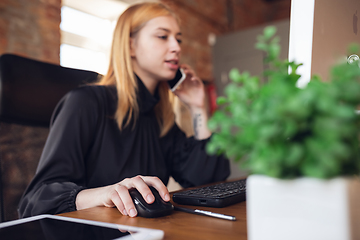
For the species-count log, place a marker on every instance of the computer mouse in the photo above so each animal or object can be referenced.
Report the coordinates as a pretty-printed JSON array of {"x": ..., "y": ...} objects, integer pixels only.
[{"x": 158, "y": 208}]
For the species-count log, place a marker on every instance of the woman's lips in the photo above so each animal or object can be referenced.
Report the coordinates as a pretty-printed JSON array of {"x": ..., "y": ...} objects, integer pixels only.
[{"x": 172, "y": 64}]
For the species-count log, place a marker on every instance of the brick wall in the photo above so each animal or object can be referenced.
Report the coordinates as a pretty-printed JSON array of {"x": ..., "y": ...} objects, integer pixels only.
[{"x": 31, "y": 28}]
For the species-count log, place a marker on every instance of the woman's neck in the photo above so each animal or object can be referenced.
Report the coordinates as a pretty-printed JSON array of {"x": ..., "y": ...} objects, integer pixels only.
[{"x": 150, "y": 83}]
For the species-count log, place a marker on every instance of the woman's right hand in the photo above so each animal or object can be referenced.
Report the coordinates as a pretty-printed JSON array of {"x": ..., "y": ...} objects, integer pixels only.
[{"x": 117, "y": 195}]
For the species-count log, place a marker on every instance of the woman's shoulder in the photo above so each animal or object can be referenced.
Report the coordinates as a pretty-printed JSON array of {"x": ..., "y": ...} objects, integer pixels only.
[
  {"x": 90, "y": 97},
  {"x": 92, "y": 93}
]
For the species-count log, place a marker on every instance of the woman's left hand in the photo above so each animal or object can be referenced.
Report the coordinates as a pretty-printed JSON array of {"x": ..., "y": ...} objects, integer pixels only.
[
  {"x": 192, "y": 90},
  {"x": 192, "y": 93}
]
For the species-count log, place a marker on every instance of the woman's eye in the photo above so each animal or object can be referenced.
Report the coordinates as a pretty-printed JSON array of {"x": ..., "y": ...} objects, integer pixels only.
[
  {"x": 179, "y": 41},
  {"x": 162, "y": 37}
]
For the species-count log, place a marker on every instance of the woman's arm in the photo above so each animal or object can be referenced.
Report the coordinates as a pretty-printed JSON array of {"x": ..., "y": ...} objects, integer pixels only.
[
  {"x": 117, "y": 195},
  {"x": 192, "y": 93},
  {"x": 191, "y": 165},
  {"x": 60, "y": 173}
]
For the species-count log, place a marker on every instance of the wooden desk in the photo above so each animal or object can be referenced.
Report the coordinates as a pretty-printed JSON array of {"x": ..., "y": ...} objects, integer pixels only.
[{"x": 178, "y": 225}]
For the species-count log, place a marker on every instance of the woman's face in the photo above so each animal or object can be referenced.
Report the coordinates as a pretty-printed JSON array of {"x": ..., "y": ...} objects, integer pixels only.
[{"x": 155, "y": 50}]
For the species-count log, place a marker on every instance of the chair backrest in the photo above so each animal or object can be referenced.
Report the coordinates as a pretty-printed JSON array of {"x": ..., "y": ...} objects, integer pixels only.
[{"x": 29, "y": 92}]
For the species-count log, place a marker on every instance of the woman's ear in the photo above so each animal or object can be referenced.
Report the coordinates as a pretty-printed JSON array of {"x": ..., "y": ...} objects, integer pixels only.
[{"x": 132, "y": 47}]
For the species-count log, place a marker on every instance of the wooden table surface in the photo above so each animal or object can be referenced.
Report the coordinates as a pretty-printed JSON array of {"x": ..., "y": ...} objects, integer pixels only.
[{"x": 179, "y": 225}]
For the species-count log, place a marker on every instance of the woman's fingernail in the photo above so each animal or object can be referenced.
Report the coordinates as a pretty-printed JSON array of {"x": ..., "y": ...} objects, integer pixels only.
[
  {"x": 167, "y": 197},
  {"x": 132, "y": 212},
  {"x": 124, "y": 212},
  {"x": 150, "y": 198}
]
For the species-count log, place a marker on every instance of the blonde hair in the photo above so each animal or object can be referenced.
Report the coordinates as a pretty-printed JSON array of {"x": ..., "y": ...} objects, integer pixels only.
[{"x": 121, "y": 73}]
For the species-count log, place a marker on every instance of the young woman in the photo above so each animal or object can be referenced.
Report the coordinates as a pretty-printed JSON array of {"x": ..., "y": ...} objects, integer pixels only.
[{"x": 120, "y": 133}]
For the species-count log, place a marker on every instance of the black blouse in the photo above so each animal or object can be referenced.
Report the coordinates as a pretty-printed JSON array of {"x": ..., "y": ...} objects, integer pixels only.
[{"x": 86, "y": 149}]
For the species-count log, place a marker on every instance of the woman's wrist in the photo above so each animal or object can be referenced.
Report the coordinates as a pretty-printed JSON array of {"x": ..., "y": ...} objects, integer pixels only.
[
  {"x": 88, "y": 198},
  {"x": 200, "y": 118}
]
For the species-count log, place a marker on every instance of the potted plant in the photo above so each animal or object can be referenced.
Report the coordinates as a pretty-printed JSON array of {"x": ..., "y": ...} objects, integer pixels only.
[{"x": 300, "y": 146}]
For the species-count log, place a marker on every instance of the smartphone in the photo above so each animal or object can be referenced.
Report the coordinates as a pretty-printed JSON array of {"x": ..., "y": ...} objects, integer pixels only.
[{"x": 179, "y": 78}]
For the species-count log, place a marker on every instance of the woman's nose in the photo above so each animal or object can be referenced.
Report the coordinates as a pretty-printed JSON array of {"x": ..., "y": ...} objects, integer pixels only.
[{"x": 175, "y": 46}]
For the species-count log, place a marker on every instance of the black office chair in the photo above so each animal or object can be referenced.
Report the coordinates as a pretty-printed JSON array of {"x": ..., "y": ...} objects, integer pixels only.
[{"x": 29, "y": 92}]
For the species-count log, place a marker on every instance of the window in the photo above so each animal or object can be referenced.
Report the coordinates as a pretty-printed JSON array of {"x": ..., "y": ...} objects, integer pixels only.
[
  {"x": 85, "y": 40},
  {"x": 82, "y": 58}
]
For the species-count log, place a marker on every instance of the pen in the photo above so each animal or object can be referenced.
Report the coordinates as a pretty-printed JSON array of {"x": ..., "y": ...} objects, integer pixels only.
[{"x": 205, "y": 213}]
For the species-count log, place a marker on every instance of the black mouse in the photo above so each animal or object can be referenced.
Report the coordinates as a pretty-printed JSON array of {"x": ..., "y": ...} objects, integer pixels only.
[{"x": 158, "y": 208}]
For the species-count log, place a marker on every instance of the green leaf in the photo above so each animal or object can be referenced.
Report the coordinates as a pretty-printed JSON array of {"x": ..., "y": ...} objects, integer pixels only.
[
  {"x": 235, "y": 75},
  {"x": 261, "y": 46},
  {"x": 269, "y": 32},
  {"x": 221, "y": 100},
  {"x": 295, "y": 155}
]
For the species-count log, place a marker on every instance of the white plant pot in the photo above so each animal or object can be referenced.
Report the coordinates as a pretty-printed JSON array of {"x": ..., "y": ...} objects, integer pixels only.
[{"x": 303, "y": 208}]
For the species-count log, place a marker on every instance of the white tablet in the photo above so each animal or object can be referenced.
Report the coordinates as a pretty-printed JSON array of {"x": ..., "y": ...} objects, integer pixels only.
[{"x": 58, "y": 227}]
